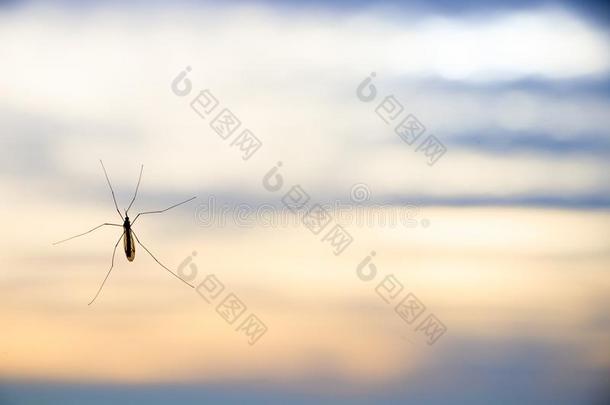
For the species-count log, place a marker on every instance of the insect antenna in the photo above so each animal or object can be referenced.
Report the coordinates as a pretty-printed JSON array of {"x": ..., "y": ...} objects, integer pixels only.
[
  {"x": 161, "y": 264},
  {"x": 111, "y": 190},
  {"x": 111, "y": 266},
  {"x": 136, "y": 193}
]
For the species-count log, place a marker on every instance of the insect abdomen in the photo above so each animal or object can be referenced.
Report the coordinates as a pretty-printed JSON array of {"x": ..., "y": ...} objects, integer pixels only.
[{"x": 130, "y": 248}]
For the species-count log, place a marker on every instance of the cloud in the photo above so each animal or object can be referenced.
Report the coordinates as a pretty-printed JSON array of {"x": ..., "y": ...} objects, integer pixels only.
[{"x": 82, "y": 84}]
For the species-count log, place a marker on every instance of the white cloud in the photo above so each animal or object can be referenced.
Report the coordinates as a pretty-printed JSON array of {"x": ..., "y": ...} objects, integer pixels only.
[{"x": 291, "y": 79}]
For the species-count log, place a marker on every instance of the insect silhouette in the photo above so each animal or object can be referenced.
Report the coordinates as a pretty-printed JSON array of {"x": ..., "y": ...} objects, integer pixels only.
[{"x": 128, "y": 234}]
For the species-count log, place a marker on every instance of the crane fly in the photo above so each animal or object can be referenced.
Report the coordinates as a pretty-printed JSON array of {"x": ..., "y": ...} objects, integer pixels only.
[{"x": 128, "y": 236}]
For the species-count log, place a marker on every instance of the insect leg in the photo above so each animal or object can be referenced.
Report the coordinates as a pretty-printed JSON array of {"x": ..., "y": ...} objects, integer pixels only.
[
  {"x": 161, "y": 264},
  {"x": 111, "y": 266},
  {"x": 111, "y": 190},
  {"x": 84, "y": 233},
  {"x": 160, "y": 211},
  {"x": 136, "y": 193}
]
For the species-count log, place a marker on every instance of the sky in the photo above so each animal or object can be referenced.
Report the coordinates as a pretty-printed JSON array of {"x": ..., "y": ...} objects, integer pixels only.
[
  {"x": 544, "y": 92},
  {"x": 506, "y": 233}
]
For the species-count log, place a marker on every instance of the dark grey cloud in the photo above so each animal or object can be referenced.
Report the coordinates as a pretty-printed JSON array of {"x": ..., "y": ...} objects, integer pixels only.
[
  {"x": 540, "y": 143},
  {"x": 595, "y": 11}
]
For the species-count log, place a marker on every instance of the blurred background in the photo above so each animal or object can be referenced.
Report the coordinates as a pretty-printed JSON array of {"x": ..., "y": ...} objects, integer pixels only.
[{"x": 508, "y": 245}]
